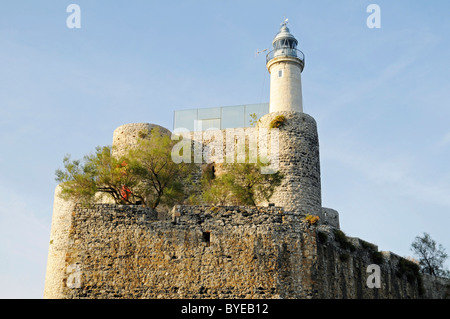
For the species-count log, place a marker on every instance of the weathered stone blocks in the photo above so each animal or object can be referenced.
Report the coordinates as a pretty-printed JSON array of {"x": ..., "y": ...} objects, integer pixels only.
[
  {"x": 299, "y": 161},
  {"x": 126, "y": 136},
  {"x": 118, "y": 251}
]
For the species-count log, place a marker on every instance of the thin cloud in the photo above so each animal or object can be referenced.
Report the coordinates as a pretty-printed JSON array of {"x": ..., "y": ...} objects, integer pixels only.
[{"x": 395, "y": 172}]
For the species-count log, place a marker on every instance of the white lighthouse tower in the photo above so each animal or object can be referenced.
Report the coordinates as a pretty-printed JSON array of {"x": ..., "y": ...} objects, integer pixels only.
[
  {"x": 297, "y": 155},
  {"x": 285, "y": 64}
]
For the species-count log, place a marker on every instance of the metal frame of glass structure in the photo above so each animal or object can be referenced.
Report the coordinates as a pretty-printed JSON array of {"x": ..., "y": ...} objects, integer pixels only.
[{"x": 221, "y": 117}]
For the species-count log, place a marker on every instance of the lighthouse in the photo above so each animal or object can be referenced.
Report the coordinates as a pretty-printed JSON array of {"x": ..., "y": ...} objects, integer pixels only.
[
  {"x": 285, "y": 64},
  {"x": 297, "y": 156}
]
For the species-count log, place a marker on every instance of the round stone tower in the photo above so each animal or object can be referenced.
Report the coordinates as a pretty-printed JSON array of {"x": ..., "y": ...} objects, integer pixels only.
[
  {"x": 297, "y": 157},
  {"x": 285, "y": 64},
  {"x": 127, "y": 135},
  {"x": 59, "y": 243}
]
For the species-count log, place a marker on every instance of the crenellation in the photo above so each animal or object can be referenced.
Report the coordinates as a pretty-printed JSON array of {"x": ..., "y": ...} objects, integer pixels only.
[{"x": 249, "y": 252}]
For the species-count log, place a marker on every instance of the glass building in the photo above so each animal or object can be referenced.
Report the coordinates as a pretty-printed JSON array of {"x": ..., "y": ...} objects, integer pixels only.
[{"x": 221, "y": 117}]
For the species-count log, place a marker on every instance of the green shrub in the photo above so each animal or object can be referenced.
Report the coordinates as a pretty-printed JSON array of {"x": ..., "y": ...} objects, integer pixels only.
[
  {"x": 146, "y": 174},
  {"x": 143, "y": 133},
  {"x": 377, "y": 257},
  {"x": 242, "y": 184},
  {"x": 340, "y": 237},
  {"x": 343, "y": 241},
  {"x": 367, "y": 245},
  {"x": 277, "y": 121}
]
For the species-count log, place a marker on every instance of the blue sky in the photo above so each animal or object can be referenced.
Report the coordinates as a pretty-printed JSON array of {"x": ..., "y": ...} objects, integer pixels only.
[{"x": 380, "y": 98}]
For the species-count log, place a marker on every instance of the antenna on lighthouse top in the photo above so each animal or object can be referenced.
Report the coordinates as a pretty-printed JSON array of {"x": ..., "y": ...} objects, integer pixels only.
[
  {"x": 258, "y": 52},
  {"x": 285, "y": 22}
]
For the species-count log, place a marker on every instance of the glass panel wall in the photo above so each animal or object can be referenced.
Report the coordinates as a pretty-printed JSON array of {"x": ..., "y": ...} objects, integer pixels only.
[
  {"x": 203, "y": 125},
  {"x": 185, "y": 119},
  {"x": 219, "y": 117},
  {"x": 208, "y": 113},
  {"x": 233, "y": 116}
]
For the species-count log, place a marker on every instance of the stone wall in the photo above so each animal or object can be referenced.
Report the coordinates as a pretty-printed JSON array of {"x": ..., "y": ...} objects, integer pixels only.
[
  {"x": 330, "y": 217},
  {"x": 232, "y": 252},
  {"x": 343, "y": 270},
  {"x": 118, "y": 251},
  {"x": 435, "y": 287}
]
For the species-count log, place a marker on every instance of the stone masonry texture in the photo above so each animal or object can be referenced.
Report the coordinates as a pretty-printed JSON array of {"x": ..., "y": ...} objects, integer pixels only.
[
  {"x": 299, "y": 162},
  {"x": 118, "y": 251},
  {"x": 126, "y": 136}
]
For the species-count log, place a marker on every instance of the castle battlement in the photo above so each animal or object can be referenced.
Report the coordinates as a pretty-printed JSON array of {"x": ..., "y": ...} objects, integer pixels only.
[{"x": 125, "y": 251}]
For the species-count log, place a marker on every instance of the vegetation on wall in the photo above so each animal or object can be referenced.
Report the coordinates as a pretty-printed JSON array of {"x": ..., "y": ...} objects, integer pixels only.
[
  {"x": 377, "y": 257},
  {"x": 312, "y": 219},
  {"x": 146, "y": 174},
  {"x": 240, "y": 184},
  {"x": 277, "y": 121},
  {"x": 342, "y": 239}
]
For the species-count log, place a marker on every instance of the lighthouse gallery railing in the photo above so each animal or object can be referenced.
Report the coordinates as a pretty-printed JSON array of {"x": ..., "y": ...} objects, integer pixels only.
[{"x": 282, "y": 52}]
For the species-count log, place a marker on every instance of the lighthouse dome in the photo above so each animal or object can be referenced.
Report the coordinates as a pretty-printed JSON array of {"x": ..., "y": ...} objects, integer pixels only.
[{"x": 284, "y": 39}]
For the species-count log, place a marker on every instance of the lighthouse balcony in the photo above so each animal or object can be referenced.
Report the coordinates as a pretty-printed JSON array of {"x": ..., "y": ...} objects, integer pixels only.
[{"x": 285, "y": 52}]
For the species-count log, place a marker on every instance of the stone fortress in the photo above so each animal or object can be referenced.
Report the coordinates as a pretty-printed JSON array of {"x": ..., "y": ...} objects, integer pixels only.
[{"x": 268, "y": 251}]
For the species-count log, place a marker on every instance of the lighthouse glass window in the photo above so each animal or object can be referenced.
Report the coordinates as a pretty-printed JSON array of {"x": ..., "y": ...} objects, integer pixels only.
[{"x": 280, "y": 73}]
